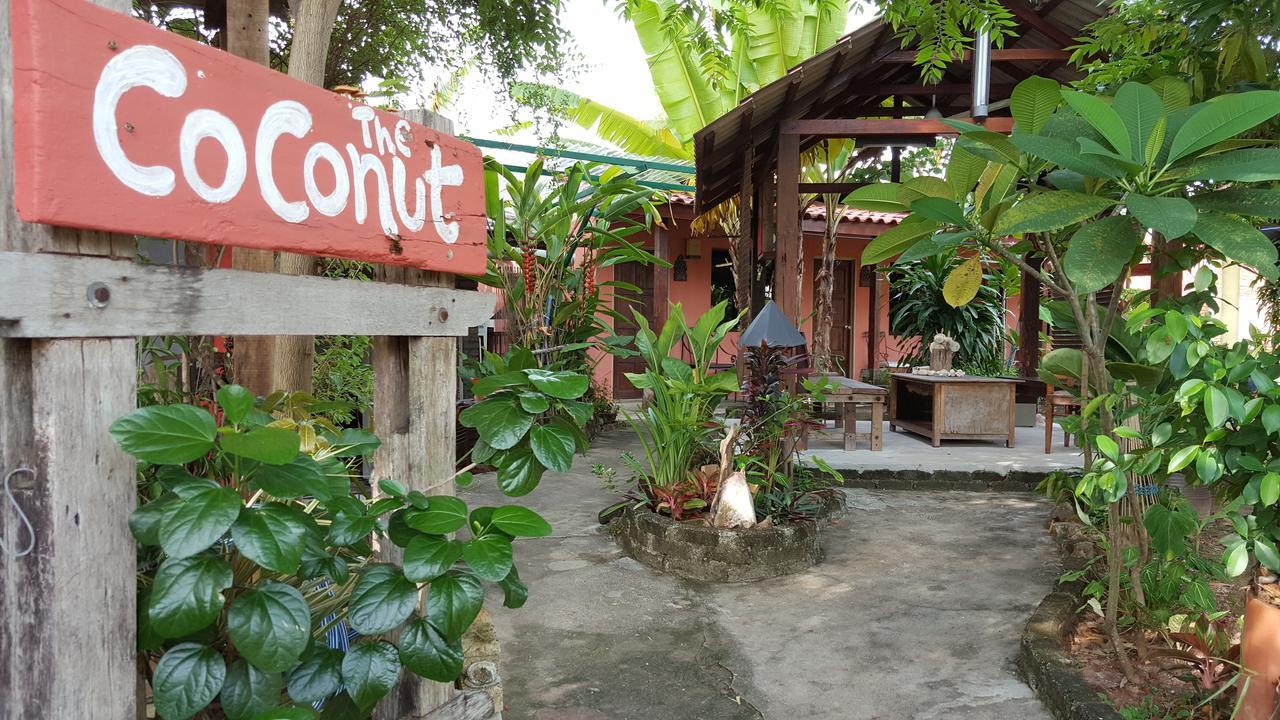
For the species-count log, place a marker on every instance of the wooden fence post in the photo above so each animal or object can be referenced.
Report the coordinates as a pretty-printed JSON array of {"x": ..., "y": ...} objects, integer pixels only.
[
  {"x": 414, "y": 406},
  {"x": 68, "y": 607}
]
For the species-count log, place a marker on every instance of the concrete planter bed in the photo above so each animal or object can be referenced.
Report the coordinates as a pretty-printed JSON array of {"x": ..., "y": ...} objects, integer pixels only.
[
  {"x": 1048, "y": 667},
  {"x": 695, "y": 551}
]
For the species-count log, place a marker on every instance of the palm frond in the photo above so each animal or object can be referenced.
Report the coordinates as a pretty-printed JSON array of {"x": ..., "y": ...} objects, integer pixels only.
[{"x": 614, "y": 126}]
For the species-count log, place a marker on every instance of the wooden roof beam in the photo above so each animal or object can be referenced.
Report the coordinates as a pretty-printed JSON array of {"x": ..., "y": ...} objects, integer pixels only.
[
  {"x": 1028, "y": 15},
  {"x": 999, "y": 55},
  {"x": 869, "y": 129}
]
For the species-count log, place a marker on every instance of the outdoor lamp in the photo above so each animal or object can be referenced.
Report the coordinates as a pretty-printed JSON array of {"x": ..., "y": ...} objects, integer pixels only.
[{"x": 771, "y": 326}]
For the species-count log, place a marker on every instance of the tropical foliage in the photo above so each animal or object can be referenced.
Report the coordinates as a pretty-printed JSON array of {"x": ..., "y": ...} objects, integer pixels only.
[
  {"x": 704, "y": 58},
  {"x": 550, "y": 238},
  {"x": 918, "y": 310},
  {"x": 256, "y": 539},
  {"x": 1081, "y": 182},
  {"x": 676, "y": 429}
]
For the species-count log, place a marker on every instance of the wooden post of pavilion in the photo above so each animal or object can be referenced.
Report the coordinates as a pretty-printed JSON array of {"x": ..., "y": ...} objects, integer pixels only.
[{"x": 786, "y": 284}]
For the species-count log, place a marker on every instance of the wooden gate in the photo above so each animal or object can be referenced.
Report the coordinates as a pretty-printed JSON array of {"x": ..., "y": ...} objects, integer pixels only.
[{"x": 72, "y": 303}]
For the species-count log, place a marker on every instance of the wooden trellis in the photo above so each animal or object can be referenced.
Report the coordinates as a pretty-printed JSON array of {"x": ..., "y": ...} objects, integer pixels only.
[{"x": 73, "y": 301}]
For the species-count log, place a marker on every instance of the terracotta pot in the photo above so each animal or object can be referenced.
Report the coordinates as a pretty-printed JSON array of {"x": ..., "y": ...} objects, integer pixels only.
[{"x": 1260, "y": 655}]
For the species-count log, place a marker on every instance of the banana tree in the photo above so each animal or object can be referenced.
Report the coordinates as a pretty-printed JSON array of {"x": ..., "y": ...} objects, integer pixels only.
[
  {"x": 1089, "y": 183},
  {"x": 703, "y": 59}
]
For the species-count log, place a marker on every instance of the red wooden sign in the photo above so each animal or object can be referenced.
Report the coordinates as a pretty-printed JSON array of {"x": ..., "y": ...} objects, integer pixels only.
[{"x": 124, "y": 127}]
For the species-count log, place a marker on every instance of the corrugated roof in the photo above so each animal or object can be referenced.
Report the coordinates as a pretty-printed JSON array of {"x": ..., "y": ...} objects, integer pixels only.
[{"x": 849, "y": 80}]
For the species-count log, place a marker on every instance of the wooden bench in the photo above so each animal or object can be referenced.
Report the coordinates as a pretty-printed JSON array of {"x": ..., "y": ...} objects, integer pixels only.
[{"x": 849, "y": 394}]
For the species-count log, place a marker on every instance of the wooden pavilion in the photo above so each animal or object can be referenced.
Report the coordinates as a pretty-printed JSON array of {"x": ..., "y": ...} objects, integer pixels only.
[{"x": 866, "y": 87}]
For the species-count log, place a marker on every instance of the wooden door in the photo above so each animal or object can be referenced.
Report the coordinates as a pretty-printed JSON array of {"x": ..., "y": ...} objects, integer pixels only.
[
  {"x": 641, "y": 276},
  {"x": 841, "y": 314}
]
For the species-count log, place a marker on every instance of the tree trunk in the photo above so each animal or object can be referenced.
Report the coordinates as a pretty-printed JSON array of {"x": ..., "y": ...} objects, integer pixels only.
[
  {"x": 252, "y": 355},
  {"x": 294, "y": 356},
  {"x": 825, "y": 282}
]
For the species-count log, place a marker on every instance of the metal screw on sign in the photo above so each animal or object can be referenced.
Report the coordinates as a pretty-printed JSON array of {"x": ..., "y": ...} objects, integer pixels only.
[
  {"x": 449, "y": 254},
  {"x": 111, "y": 45},
  {"x": 444, "y": 315},
  {"x": 128, "y": 127},
  {"x": 98, "y": 295}
]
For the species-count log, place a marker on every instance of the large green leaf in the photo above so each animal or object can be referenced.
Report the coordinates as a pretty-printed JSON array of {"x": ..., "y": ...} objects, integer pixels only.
[
  {"x": 381, "y": 601},
  {"x": 270, "y": 445},
  {"x": 618, "y": 128},
  {"x": 940, "y": 210},
  {"x": 553, "y": 445},
  {"x": 271, "y": 536},
  {"x": 301, "y": 477},
  {"x": 318, "y": 676},
  {"x": 428, "y": 654},
  {"x": 1050, "y": 210},
  {"x": 1249, "y": 165},
  {"x": 520, "y": 522},
  {"x": 248, "y": 692},
  {"x": 493, "y": 383},
  {"x": 489, "y": 556},
  {"x": 270, "y": 625},
  {"x": 562, "y": 384},
  {"x": 236, "y": 402},
  {"x": 937, "y": 244},
  {"x": 1239, "y": 241},
  {"x": 1066, "y": 154},
  {"x": 1103, "y": 118},
  {"x": 519, "y": 472},
  {"x": 187, "y": 594},
  {"x": 924, "y": 186},
  {"x": 1172, "y": 217},
  {"x": 430, "y": 556},
  {"x": 166, "y": 434},
  {"x": 878, "y": 197},
  {"x": 963, "y": 171},
  {"x": 186, "y": 680},
  {"x": 444, "y": 514},
  {"x": 199, "y": 521},
  {"x": 1250, "y": 202},
  {"x": 686, "y": 93},
  {"x": 1142, "y": 112},
  {"x": 1169, "y": 528},
  {"x": 453, "y": 602},
  {"x": 1216, "y": 408},
  {"x": 1174, "y": 94},
  {"x": 1033, "y": 101},
  {"x": 369, "y": 671},
  {"x": 514, "y": 592},
  {"x": 499, "y": 420},
  {"x": 1225, "y": 117},
  {"x": 145, "y": 522},
  {"x": 896, "y": 240},
  {"x": 1099, "y": 251}
]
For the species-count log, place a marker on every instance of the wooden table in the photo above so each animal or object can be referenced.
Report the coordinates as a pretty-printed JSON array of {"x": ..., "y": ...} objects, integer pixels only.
[
  {"x": 849, "y": 394},
  {"x": 953, "y": 408}
]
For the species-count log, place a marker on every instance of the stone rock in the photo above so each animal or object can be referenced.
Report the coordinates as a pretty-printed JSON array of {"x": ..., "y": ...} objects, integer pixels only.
[{"x": 481, "y": 653}]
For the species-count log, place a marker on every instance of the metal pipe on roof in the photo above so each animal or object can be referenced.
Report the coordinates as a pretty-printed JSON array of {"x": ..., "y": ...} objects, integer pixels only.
[{"x": 981, "y": 73}]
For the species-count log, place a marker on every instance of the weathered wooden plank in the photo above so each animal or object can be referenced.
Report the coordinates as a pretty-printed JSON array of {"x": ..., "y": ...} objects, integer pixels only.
[
  {"x": 44, "y": 295},
  {"x": 786, "y": 283},
  {"x": 841, "y": 127},
  {"x": 110, "y": 112},
  {"x": 414, "y": 405},
  {"x": 67, "y": 608},
  {"x": 475, "y": 705}
]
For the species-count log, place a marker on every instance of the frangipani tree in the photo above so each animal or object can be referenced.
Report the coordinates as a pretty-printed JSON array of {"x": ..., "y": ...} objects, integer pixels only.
[{"x": 1090, "y": 184}]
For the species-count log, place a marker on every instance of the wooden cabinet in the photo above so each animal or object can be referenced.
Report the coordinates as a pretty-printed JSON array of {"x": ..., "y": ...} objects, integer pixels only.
[{"x": 953, "y": 408}]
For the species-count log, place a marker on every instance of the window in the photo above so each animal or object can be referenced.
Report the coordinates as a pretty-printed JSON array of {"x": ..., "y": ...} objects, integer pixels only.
[{"x": 722, "y": 285}]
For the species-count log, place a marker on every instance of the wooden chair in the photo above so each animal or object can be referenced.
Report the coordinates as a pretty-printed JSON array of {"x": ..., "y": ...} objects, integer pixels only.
[{"x": 1057, "y": 401}]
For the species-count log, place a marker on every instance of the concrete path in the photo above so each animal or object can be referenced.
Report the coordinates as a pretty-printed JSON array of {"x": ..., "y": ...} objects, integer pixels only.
[
  {"x": 907, "y": 451},
  {"x": 915, "y": 613}
]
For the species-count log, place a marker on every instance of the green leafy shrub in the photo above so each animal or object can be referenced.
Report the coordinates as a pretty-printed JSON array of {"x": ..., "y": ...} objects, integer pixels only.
[{"x": 254, "y": 540}]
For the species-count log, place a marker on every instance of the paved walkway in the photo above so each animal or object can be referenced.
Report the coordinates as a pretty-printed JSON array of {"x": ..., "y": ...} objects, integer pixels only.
[
  {"x": 907, "y": 451},
  {"x": 915, "y": 613}
]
